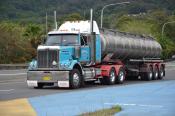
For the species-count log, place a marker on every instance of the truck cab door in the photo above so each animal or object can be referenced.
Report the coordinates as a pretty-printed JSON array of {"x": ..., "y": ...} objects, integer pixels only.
[{"x": 84, "y": 50}]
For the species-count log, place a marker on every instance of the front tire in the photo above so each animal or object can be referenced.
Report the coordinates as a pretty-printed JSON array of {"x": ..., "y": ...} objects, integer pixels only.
[{"x": 75, "y": 79}]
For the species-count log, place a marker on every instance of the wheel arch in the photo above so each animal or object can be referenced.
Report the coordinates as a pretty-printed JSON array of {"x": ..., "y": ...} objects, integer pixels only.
[{"x": 79, "y": 67}]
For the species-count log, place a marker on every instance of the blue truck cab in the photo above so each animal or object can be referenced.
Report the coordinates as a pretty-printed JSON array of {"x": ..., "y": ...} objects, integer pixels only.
[{"x": 66, "y": 56}]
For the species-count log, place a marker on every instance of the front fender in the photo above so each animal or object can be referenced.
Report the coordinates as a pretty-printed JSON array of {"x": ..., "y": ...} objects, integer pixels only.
[{"x": 73, "y": 63}]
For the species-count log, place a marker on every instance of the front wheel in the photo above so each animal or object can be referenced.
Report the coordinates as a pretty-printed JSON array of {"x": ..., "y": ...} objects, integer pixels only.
[{"x": 75, "y": 79}]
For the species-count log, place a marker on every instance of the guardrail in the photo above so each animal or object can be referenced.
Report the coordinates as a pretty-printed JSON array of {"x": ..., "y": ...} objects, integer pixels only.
[
  {"x": 25, "y": 66},
  {"x": 13, "y": 66}
]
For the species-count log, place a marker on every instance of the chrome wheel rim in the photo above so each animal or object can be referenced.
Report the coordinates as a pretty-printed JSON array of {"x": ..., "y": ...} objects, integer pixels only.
[
  {"x": 150, "y": 75},
  {"x": 76, "y": 79},
  {"x": 161, "y": 73},
  {"x": 156, "y": 75}
]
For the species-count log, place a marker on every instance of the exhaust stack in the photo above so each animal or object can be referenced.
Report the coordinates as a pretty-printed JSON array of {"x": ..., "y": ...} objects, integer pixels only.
[{"x": 93, "y": 40}]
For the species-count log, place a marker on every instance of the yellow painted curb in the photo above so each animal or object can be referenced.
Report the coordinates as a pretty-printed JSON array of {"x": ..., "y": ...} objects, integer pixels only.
[{"x": 18, "y": 107}]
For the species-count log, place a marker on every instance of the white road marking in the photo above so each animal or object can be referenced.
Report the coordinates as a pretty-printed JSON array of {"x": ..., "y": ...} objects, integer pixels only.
[
  {"x": 13, "y": 74},
  {"x": 6, "y": 90},
  {"x": 142, "y": 105},
  {"x": 12, "y": 82}
]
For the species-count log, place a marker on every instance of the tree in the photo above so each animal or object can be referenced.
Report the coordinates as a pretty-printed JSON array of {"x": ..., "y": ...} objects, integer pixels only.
[
  {"x": 70, "y": 17},
  {"x": 33, "y": 33}
]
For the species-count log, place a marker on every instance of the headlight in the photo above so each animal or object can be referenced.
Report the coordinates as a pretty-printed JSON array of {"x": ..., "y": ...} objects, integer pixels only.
[
  {"x": 54, "y": 64},
  {"x": 65, "y": 65},
  {"x": 33, "y": 65}
]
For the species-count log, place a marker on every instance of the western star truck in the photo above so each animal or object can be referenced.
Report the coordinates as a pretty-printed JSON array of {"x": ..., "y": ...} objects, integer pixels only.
[{"x": 80, "y": 52}]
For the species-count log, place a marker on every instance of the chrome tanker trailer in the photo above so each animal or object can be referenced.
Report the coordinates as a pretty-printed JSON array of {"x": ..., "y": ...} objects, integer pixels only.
[
  {"x": 79, "y": 52},
  {"x": 129, "y": 46}
]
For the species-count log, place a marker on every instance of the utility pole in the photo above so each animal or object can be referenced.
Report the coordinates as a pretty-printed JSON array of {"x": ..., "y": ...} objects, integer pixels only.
[{"x": 163, "y": 27}]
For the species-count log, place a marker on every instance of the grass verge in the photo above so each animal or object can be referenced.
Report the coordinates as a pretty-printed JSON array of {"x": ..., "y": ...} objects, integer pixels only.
[{"x": 104, "y": 112}]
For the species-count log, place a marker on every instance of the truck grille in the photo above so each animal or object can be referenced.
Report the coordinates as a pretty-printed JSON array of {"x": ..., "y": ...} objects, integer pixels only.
[{"x": 46, "y": 58}]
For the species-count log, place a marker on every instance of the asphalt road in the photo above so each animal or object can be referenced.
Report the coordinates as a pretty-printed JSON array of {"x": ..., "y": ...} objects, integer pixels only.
[{"x": 13, "y": 84}]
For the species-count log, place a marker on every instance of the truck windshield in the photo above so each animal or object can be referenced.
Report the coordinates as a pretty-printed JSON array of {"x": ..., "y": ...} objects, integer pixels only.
[{"x": 62, "y": 39}]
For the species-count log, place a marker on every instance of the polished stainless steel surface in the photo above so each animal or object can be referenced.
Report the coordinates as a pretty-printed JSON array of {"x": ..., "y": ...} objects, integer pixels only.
[
  {"x": 127, "y": 46},
  {"x": 55, "y": 76}
]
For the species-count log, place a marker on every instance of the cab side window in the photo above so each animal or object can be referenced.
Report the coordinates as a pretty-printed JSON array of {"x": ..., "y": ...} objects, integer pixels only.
[{"x": 83, "y": 40}]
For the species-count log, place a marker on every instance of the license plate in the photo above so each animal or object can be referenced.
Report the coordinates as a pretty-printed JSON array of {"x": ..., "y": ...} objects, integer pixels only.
[{"x": 47, "y": 78}]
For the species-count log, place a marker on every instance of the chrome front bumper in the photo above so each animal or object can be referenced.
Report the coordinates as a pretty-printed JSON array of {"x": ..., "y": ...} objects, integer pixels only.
[{"x": 57, "y": 78}]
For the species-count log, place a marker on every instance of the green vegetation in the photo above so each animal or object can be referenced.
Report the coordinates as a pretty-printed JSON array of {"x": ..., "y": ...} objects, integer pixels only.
[
  {"x": 151, "y": 25},
  {"x": 22, "y": 22},
  {"x": 104, "y": 112},
  {"x": 18, "y": 42}
]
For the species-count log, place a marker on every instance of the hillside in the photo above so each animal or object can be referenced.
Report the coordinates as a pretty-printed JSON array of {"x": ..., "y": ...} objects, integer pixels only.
[
  {"x": 22, "y": 22},
  {"x": 35, "y": 10}
]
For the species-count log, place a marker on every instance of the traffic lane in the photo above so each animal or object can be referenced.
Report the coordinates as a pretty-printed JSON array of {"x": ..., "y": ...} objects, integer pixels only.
[
  {"x": 13, "y": 71},
  {"x": 16, "y": 90},
  {"x": 17, "y": 87},
  {"x": 12, "y": 75}
]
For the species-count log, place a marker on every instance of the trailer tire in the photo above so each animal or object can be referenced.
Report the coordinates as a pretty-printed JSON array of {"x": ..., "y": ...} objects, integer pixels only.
[
  {"x": 121, "y": 76},
  {"x": 155, "y": 73},
  {"x": 75, "y": 79},
  {"x": 161, "y": 73},
  {"x": 149, "y": 74}
]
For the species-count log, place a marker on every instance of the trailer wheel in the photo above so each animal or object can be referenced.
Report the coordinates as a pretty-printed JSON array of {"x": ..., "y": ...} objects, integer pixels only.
[
  {"x": 75, "y": 79},
  {"x": 121, "y": 76},
  {"x": 155, "y": 73},
  {"x": 149, "y": 74},
  {"x": 161, "y": 73}
]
